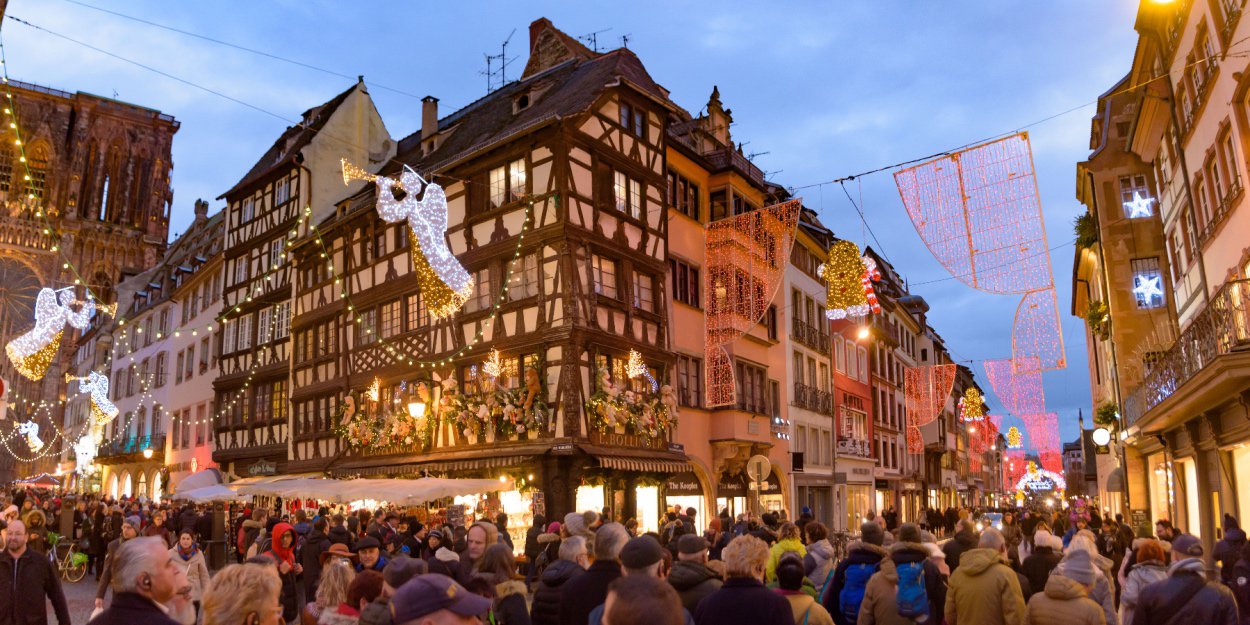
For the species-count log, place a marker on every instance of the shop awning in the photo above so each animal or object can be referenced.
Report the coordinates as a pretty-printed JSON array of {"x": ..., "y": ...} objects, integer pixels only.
[
  {"x": 1115, "y": 481},
  {"x": 206, "y": 477},
  {"x": 647, "y": 465},
  {"x": 269, "y": 479},
  {"x": 444, "y": 466},
  {"x": 208, "y": 494}
]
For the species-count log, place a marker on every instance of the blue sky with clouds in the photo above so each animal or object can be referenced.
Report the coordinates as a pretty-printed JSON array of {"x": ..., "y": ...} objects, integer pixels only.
[{"x": 825, "y": 88}]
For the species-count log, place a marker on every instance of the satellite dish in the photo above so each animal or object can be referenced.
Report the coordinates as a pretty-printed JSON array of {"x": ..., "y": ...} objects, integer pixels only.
[{"x": 759, "y": 468}]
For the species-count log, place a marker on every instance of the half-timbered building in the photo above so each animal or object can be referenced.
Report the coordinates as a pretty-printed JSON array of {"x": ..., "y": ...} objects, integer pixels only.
[
  {"x": 266, "y": 211},
  {"x": 555, "y": 190}
]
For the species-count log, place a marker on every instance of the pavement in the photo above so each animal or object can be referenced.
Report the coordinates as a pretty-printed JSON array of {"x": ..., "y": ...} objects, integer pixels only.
[{"x": 81, "y": 600}]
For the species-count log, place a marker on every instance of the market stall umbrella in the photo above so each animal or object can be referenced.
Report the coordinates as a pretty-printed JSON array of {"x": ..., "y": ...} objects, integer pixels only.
[
  {"x": 199, "y": 479},
  {"x": 43, "y": 480},
  {"x": 300, "y": 487},
  {"x": 209, "y": 494},
  {"x": 414, "y": 492}
]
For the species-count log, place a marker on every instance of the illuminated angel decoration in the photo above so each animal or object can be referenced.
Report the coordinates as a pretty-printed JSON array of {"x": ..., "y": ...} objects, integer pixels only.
[
  {"x": 444, "y": 282},
  {"x": 33, "y": 351},
  {"x": 30, "y": 430},
  {"x": 102, "y": 409},
  {"x": 848, "y": 278},
  {"x": 85, "y": 452}
]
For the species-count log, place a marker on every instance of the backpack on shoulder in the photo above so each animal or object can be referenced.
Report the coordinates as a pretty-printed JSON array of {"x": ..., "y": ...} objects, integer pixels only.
[
  {"x": 852, "y": 595},
  {"x": 911, "y": 597}
]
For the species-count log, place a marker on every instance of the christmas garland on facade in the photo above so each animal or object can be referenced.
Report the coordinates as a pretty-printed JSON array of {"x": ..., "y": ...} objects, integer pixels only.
[{"x": 645, "y": 414}]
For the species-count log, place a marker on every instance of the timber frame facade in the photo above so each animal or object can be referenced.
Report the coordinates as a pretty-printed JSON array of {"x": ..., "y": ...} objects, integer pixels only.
[
  {"x": 555, "y": 191},
  {"x": 265, "y": 214}
]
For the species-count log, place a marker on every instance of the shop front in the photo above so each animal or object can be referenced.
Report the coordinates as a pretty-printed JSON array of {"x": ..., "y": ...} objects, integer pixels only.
[
  {"x": 853, "y": 496},
  {"x": 815, "y": 492},
  {"x": 685, "y": 490}
]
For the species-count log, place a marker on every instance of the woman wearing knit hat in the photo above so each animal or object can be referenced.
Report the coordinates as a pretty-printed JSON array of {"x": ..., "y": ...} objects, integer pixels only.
[{"x": 1066, "y": 598}]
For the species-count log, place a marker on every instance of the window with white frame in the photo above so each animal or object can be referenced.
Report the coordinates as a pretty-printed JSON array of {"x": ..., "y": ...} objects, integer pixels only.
[
  {"x": 248, "y": 210},
  {"x": 264, "y": 326},
  {"x": 1135, "y": 197},
  {"x": 690, "y": 381},
  {"x": 281, "y": 191},
  {"x": 418, "y": 314},
  {"x": 627, "y": 194},
  {"x": 282, "y": 320},
  {"x": 863, "y": 364},
  {"x": 483, "y": 292},
  {"x": 1147, "y": 282},
  {"x": 275, "y": 254},
  {"x": 245, "y": 331},
  {"x": 644, "y": 292},
  {"x": 240, "y": 270},
  {"x": 603, "y": 275},
  {"x": 507, "y": 183},
  {"x": 524, "y": 277},
  {"x": 839, "y": 356},
  {"x": 391, "y": 319}
]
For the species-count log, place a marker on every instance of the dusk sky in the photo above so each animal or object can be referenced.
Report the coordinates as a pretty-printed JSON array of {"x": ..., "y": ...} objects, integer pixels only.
[{"x": 825, "y": 89}]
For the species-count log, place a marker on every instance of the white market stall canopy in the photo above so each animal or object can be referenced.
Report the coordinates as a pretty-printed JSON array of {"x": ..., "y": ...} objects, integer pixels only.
[
  {"x": 209, "y": 494},
  {"x": 396, "y": 491},
  {"x": 200, "y": 479}
]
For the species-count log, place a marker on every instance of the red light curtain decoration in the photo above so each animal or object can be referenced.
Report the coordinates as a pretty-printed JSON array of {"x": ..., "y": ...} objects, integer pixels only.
[
  {"x": 1043, "y": 430},
  {"x": 1018, "y": 385},
  {"x": 926, "y": 389},
  {"x": 979, "y": 212},
  {"x": 1014, "y": 465},
  {"x": 1036, "y": 340},
  {"x": 746, "y": 256}
]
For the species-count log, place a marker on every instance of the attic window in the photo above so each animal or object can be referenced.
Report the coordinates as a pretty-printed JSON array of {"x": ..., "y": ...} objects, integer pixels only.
[{"x": 522, "y": 102}]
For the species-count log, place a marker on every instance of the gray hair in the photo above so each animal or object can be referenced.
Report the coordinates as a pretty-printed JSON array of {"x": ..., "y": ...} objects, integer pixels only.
[
  {"x": 134, "y": 558},
  {"x": 572, "y": 547},
  {"x": 609, "y": 540},
  {"x": 991, "y": 539}
]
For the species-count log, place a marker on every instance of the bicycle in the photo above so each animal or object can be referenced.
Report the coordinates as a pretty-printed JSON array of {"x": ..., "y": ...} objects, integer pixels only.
[{"x": 73, "y": 564}]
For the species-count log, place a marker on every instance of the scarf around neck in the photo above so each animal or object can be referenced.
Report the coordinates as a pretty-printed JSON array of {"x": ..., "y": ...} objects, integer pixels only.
[{"x": 187, "y": 554}]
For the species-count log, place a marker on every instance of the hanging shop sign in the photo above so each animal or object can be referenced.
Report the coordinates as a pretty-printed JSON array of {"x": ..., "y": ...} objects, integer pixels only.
[
  {"x": 683, "y": 484},
  {"x": 262, "y": 467},
  {"x": 770, "y": 486},
  {"x": 731, "y": 486}
]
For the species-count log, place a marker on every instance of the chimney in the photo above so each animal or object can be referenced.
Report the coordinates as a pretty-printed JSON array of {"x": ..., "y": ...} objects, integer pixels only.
[
  {"x": 429, "y": 117},
  {"x": 201, "y": 210}
]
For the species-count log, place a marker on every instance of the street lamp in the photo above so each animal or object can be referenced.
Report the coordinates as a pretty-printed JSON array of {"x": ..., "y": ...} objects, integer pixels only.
[
  {"x": 416, "y": 409},
  {"x": 863, "y": 332},
  {"x": 1102, "y": 437},
  {"x": 147, "y": 453}
]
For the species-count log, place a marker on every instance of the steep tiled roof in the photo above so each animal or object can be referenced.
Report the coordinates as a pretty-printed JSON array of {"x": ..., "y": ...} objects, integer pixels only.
[{"x": 293, "y": 139}]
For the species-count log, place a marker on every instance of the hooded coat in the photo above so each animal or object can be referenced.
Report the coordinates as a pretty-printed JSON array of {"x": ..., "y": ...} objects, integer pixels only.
[
  {"x": 1065, "y": 602},
  {"x": 285, "y": 556},
  {"x": 1039, "y": 564},
  {"x": 545, "y": 609},
  {"x": 1228, "y": 550},
  {"x": 984, "y": 591},
  {"x": 819, "y": 562},
  {"x": 857, "y": 553},
  {"x": 744, "y": 600},
  {"x": 1195, "y": 599},
  {"x": 693, "y": 581},
  {"x": 964, "y": 540},
  {"x": 195, "y": 568},
  {"x": 509, "y": 605},
  {"x": 806, "y": 609},
  {"x": 310, "y": 557},
  {"x": 341, "y": 535},
  {"x": 1143, "y": 575},
  {"x": 880, "y": 607},
  {"x": 779, "y": 549}
]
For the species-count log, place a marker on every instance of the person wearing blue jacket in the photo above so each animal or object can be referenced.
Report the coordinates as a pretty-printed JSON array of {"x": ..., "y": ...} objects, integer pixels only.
[{"x": 866, "y": 551}]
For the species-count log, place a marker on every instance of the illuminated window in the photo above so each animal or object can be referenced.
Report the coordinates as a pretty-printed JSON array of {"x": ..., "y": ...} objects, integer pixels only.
[
  {"x": 418, "y": 314},
  {"x": 366, "y": 328},
  {"x": 627, "y": 194},
  {"x": 524, "y": 278},
  {"x": 391, "y": 319},
  {"x": 1135, "y": 197},
  {"x": 507, "y": 183},
  {"x": 1147, "y": 282}
]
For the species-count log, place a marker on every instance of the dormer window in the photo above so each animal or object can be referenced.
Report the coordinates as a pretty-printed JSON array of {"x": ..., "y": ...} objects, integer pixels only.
[{"x": 521, "y": 103}]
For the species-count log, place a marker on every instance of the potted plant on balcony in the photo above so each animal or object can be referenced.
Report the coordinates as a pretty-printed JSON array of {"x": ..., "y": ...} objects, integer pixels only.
[
  {"x": 1086, "y": 230},
  {"x": 1098, "y": 316},
  {"x": 1106, "y": 415}
]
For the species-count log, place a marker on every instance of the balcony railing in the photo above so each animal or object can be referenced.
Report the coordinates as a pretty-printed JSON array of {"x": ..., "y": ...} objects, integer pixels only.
[
  {"x": 812, "y": 398},
  {"x": 1222, "y": 209},
  {"x": 730, "y": 158},
  {"x": 1223, "y": 327},
  {"x": 133, "y": 445},
  {"x": 810, "y": 336}
]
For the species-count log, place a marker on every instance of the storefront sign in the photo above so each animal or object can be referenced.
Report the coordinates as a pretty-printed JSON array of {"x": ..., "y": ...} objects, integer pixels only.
[
  {"x": 771, "y": 486},
  {"x": 612, "y": 439},
  {"x": 683, "y": 484},
  {"x": 262, "y": 467},
  {"x": 562, "y": 448},
  {"x": 857, "y": 447},
  {"x": 882, "y": 484},
  {"x": 1140, "y": 520},
  {"x": 677, "y": 448},
  {"x": 731, "y": 486}
]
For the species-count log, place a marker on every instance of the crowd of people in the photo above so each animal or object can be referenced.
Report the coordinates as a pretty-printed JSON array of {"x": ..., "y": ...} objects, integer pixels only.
[{"x": 388, "y": 567}]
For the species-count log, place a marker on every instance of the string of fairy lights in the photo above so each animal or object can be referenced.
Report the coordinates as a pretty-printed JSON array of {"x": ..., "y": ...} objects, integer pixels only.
[{"x": 51, "y": 231}]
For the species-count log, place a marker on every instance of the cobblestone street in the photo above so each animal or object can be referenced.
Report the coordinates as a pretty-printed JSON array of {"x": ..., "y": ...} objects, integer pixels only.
[{"x": 81, "y": 599}]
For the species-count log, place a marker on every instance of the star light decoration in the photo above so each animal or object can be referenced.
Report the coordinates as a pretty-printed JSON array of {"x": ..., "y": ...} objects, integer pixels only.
[
  {"x": 926, "y": 390},
  {"x": 102, "y": 409},
  {"x": 444, "y": 282},
  {"x": 1148, "y": 287},
  {"x": 32, "y": 352},
  {"x": 1139, "y": 206},
  {"x": 848, "y": 278},
  {"x": 745, "y": 257}
]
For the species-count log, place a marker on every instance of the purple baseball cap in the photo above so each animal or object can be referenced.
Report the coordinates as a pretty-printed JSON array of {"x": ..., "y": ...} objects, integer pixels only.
[{"x": 427, "y": 594}]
